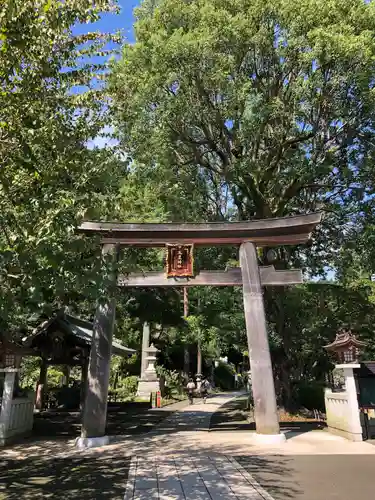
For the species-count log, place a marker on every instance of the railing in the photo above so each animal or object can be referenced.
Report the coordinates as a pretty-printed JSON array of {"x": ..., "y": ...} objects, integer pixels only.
[{"x": 319, "y": 416}]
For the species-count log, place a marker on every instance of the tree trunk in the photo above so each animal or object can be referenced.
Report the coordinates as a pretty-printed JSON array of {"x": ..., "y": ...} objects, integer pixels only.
[
  {"x": 212, "y": 374},
  {"x": 286, "y": 387},
  {"x": 115, "y": 381},
  {"x": 41, "y": 386},
  {"x": 285, "y": 392},
  {"x": 186, "y": 302},
  {"x": 186, "y": 360},
  {"x": 199, "y": 366}
]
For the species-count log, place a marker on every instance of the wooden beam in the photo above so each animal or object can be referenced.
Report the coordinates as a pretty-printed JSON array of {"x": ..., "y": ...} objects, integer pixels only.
[
  {"x": 232, "y": 277},
  {"x": 266, "y": 232},
  {"x": 146, "y": 242},
  {"x": 64, "y": 361}
]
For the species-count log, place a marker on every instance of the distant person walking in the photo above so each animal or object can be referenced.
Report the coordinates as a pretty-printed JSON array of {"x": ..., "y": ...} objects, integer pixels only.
[
  {"x": 205, "y": 387},
  {"x": 190, "y": 390}
]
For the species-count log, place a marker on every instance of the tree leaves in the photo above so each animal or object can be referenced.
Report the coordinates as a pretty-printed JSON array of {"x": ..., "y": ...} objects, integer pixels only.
[
  {"x": 49, "y": 179},
  {"x": 271, "y": 100}
]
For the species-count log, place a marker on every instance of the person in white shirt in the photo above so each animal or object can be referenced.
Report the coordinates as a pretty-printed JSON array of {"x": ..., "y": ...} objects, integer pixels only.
[
  {"x": 205, "y": 387},
  {"x": 190, "y": 390}
]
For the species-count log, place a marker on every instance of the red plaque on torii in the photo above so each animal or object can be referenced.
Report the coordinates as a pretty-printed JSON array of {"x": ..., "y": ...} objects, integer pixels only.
[{"x": 179, "y": 261}]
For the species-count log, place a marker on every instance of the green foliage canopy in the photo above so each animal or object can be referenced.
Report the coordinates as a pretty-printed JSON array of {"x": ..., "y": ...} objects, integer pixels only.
[
  {"x": 270, "y": 100},
  {"x": 52, "y": 105}
]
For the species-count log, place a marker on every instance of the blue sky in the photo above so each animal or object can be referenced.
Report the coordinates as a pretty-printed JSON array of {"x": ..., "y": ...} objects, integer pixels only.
[
  {"x": 110, "y": 23},
  {"x": 124, "y": 21}
]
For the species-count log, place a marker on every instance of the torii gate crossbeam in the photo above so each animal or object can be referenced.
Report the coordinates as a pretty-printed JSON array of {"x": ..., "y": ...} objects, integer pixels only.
[{"x": 231, "y": 277}]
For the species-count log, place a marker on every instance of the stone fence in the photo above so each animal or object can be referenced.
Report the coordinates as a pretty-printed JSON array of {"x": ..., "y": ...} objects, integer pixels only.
[
  {"x": 343, "y": 417},
  {"x": 20, "y": 421}
]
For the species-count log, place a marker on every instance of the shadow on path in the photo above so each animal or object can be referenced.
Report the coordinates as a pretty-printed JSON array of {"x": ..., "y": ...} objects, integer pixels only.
[
  {"x": 122, "y": 418},
  {"x": 87, "y": 478},
  {"x": 233, "y": 417},
  {"x": 274, "y": 474},
  {"x": 102, "y": 473},
  {"x": 313, "y": 477},
  {"x": 54, "y": 431}
]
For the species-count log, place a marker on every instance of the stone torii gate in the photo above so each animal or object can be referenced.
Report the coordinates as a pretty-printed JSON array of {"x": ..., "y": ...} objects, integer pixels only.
[{"x": 179, "y": 239}]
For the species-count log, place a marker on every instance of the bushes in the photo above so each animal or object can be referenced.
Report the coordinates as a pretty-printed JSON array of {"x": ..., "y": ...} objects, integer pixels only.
[
  {"x": 310, "y": 395},
  {"x": 171, "y": 382},
  {"x": 224, "y": 376},
  {"x": 29, "y": 373},
  {"x": 130, "y": 384},
  {"x": 55, "y": 375},
  {"x": 126, "y": 388}
]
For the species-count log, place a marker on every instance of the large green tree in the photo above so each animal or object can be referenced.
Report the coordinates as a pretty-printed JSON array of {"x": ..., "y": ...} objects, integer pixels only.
[
  {"x": 272, "y": 101},
  {"x": 52, "y": 108},
  {"x": 264, "y": 108}
]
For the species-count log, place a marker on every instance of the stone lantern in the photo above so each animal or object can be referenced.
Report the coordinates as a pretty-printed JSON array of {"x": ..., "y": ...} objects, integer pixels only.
[
  {"x": 150, "y": 373},
  {"x": 7, "y": 360},
  {"x": 342, "y": 409},
  {"x": 149, "y": 382},
  {"x": 10, "y": 358},
  {"x": 346, "y": 347}
]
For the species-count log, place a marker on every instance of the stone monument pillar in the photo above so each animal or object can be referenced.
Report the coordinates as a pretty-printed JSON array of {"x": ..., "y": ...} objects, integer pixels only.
[
  {"x": 145, "y": 346},
  {"x": 149, "y": 382}
]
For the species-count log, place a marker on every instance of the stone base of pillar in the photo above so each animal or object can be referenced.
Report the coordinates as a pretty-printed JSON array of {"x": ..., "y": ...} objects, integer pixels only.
[
  {"x": 93, "y": 442},
  {"x": 350, "y": 436},
  {"x": 268, "y": 439},
  {"x": 146, "y": 387}
]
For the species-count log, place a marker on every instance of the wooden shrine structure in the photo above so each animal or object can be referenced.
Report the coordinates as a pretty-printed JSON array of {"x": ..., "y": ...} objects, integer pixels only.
[
  {"x": 179, "y": 240},
  {"x": 64, "y": 340}
]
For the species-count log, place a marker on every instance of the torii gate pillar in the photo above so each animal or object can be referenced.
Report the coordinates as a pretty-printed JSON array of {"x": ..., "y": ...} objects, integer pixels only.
[
  {"x": 94, "y": 417},
  {"x": 266, "y": 418}
]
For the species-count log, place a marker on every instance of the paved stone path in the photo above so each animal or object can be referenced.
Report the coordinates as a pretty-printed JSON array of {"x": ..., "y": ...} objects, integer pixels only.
[
  {"x": 191, "y": 478},
  {"x": 177, "y": 460}
]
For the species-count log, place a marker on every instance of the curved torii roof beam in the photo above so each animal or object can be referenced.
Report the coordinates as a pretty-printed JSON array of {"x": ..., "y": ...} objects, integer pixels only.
[{"x": 265, "y": 232}]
